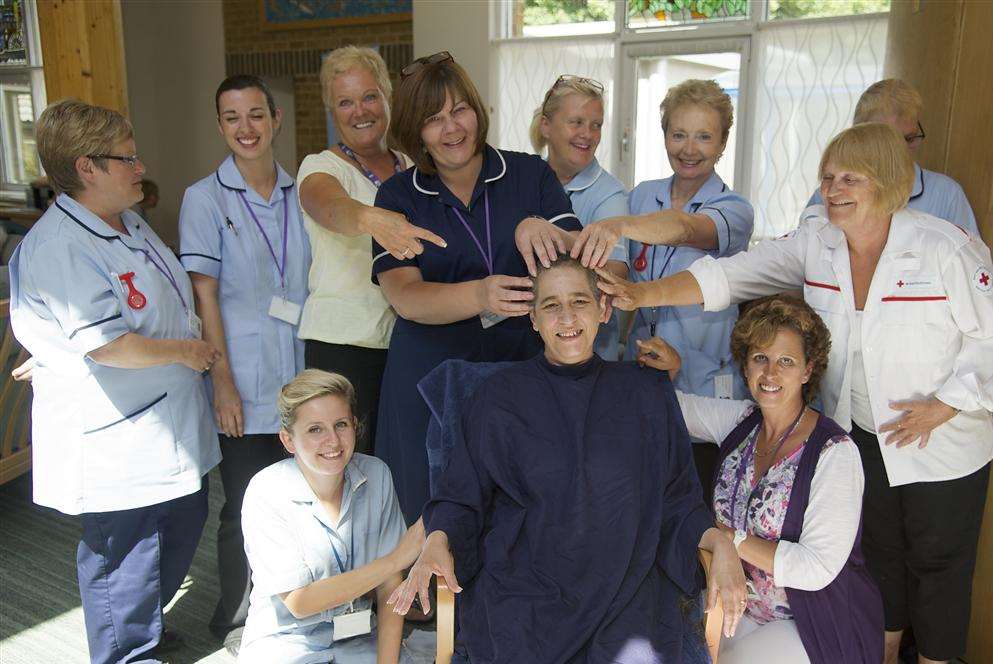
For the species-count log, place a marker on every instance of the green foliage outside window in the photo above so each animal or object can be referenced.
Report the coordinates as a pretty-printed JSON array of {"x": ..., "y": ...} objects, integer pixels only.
[
  {"x": 553, "y": 12},
  {"x": 785, "y": 9}
]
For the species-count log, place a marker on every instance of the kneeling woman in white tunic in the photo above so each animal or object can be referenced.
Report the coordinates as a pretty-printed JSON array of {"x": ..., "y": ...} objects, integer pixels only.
[{"x": 323, "y": 530}]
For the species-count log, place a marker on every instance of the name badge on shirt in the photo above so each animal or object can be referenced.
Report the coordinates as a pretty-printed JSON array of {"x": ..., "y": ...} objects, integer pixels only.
[
  {"x": 285, "y": 310},
  {"x": 353, "y": 623},
  {"x": 196, "y": 325},
  {"x": 724, "y": 386},
  {"x": 489, "y": 319}
]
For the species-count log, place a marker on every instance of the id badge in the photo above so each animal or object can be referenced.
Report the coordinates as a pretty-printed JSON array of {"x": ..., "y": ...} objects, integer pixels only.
[
  {"x": 196, "y": 326},
  {"x": 285, "y": 310},
  {"x": 489, "y": 319},
  {"x": 353, "y": 623},
  {"x": 724, "y": 386}
]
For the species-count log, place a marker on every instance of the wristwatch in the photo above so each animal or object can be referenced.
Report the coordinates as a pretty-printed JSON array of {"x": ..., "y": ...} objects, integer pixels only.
[{"x": 739, "y": 537}]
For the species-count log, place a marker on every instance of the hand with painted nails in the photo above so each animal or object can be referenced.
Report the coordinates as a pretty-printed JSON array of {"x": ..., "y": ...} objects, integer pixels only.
[{"x": 658, "y": 354}]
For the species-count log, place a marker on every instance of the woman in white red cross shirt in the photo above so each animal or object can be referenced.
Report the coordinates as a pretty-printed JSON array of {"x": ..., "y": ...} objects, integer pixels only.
[{"x": 908, "y": 298}]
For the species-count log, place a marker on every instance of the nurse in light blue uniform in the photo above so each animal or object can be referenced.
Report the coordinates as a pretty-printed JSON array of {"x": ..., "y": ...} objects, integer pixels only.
[
  {"x": 896, "y": 103},
  {"x": 121, "y": 428},
  {"x": 569, "y": 123},
  {"x": 243, "y": 242}
]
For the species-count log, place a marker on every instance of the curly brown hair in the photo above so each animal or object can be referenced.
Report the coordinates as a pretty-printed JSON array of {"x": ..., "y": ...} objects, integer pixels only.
[{"x": 757, "y": 327}]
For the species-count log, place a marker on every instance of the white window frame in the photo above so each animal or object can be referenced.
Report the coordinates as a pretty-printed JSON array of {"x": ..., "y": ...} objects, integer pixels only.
[
  {"x": 665, "y": 38},
  {"x": 9, "y": 190}
]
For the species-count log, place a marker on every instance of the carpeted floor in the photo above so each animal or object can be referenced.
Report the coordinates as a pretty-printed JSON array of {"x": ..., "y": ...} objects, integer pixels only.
[{"x": 40, "y": 616}]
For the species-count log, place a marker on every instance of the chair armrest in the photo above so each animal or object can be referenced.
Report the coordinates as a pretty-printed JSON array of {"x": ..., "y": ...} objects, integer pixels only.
[{"x": 445, "y": 616}]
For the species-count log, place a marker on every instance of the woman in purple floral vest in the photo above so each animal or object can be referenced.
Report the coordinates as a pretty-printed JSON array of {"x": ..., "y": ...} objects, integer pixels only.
[{"x": 788, "y": 493}]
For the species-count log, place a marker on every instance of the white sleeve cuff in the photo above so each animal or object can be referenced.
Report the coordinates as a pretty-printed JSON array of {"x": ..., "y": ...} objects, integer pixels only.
[{"x": 713, "y": 283}]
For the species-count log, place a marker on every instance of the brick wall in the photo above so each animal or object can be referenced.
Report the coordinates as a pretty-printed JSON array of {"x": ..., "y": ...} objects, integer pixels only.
[{"x": 251, "y": 50}]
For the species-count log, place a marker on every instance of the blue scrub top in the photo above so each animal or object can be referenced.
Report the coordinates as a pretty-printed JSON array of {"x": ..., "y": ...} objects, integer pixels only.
[
  {"x": 219, "y": 238},
  {"x": 107, "y": 438},
  {"x": 595, "y": 194},
  {"x": 936, "y": 194},
  {"x": 702, "y": 338}
]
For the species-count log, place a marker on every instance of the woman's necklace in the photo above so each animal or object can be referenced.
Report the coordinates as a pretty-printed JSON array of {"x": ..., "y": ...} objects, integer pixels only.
[{"x": 782, "y": 441}]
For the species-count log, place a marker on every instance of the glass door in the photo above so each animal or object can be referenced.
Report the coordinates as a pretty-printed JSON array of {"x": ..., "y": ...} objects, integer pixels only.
[{"x": 648, "y": 71}]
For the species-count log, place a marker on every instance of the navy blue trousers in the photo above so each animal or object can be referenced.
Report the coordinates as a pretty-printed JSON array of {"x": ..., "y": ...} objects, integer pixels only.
[{"x": 129, "y": 564}]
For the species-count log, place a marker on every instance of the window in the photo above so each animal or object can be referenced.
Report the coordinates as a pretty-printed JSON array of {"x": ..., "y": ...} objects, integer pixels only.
[
  {"x": 654, "y": 13},
  {"x": 22, "y": 97},
  {"x": 793, "y": 81}
]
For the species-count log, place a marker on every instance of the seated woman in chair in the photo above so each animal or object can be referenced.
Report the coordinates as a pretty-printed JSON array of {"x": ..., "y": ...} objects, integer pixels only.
[
  {"x": 788, "y": 494},
  {"x": 572, "y": 512},
  {"x": 323, "y": 530}
]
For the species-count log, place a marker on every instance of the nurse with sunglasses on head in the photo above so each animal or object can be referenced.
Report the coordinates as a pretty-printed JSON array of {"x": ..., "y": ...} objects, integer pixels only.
[
  {"x": 243, "y": 243},
  {"x": 498, "y": 212},
  {"x": 674, "y": 222},
  {"x": 569, "y": 123}
]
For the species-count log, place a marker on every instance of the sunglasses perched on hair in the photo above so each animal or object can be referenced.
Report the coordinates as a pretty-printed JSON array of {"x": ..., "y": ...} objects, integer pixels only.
[
  {"x": 566, "y": 79},
  {"x": 426, "y": 61}
]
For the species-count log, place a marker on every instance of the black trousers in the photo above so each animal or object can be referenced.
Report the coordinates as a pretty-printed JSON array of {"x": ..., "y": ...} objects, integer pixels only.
[
  {"x": 241, "y": 459},
  {"x": 919, "y": 542},
  {"x": 364, "y": 368}
]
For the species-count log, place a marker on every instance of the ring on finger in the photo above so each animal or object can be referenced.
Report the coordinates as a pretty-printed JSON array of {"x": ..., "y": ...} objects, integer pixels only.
[{"x": 405, "y": 251}]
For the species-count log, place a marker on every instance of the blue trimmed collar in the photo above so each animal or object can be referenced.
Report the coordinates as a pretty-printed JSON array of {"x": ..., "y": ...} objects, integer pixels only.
[
  {"x": 94, "y": 225},
  {"x": 229, "y": 177},
  {"x": 494, "y": 168},
  {"x": 713, "y": 186},
  {"x": 585, "y": 178},
  {"x": 918, "y": 189}
]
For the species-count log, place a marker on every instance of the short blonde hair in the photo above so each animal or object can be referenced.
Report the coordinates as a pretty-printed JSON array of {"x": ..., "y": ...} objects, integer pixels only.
[
  {"x": 70, "y": 129},
  {"x": 312, "y": 384},
  {"x": 889, "y": 97},
  {"x": 553, "y": 101},
  {"x": 698, "y": 92},
  {"x": 346, "y": 58},
  {"x": 878, "y": 152}
]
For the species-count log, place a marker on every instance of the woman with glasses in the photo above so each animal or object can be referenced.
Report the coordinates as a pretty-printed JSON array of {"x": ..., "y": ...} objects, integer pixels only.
[
  {"x": 908, "y": 299},
  {"x": 346, "y": 321},
  {"x": 569, "y": 123},
  {"x": 121, "y": 428},
  {"x": 894, "y": 102},
  {"x": 243, "y": 243},
  {"x": 675, "y": 221},
  {"x": 498, "y": 212}
]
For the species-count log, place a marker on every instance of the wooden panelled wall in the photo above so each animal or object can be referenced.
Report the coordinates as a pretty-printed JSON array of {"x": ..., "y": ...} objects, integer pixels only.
[
  {"x": 82, "y": 44},
  {"x": 944, "y": 48}
]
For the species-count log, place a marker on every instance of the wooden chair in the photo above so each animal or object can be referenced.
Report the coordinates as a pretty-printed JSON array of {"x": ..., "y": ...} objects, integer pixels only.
[
  {"x": 15, "y": 405},
  {"x": 445, "y": 607}
]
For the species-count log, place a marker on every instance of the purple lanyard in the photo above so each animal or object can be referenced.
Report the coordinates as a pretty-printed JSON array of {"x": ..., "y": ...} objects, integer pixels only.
[
  {"x": 743, "y": 465},
  {"x": 272, "y": 252},
  {"x": 487, "y": 256},
  {"x": 166, "y": 272},
  {"x": 372, "y": 177}
]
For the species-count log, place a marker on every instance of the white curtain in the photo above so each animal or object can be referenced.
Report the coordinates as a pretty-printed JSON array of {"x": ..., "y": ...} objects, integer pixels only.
[{"x": 810, "y": 76}]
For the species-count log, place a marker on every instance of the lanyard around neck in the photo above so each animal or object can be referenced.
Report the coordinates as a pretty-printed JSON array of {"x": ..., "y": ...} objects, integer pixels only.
[
  {"x": 165, "y": 270},
  {"x": 272, "y": 252},
  {"x": 487, "y": 255},
  {"x": 372, "y": 177},
  {"x": 350, "y": 554},
  {"x": 743, "y": 465}
]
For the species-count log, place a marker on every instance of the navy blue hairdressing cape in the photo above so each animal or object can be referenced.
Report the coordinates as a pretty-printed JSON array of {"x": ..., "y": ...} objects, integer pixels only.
[{"x": 573, "y": 511}]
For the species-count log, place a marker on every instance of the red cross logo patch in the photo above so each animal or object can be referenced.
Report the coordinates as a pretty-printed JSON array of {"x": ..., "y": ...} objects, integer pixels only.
[
  {"x": 900, "y": 283},
  {"x": 982, "y": 280}
]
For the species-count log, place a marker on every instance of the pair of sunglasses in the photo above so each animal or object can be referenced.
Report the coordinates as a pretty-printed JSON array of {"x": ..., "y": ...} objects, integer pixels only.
[
  {"x": 569, "y": 78},
  {"x": 426, "y": 61}
]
